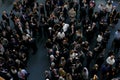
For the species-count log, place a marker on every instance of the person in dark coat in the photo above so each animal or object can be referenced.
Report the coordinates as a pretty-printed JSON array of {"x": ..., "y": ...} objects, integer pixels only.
[
  {"x": 83, "y": 13},
  {"x": 89, "y": 58},
  {"x": 116, "y": 41},
  {"x": 5, "y": 17},
  {"x": 23, "y": 18},
  {"x": 19, "y": 30},
  {"x": 95, "y": 17},
  {"x": 116, "y": 18},
  {"x": 90, "y": 12},
  {"x": 33, "y": 45},
  {"x": 42, "y": 10},
  {"x": 47, "y": 7}
]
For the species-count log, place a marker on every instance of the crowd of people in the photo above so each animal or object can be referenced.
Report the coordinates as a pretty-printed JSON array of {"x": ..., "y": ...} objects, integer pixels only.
[
  {"x": 71, "y": 27},
  {"x": 74, "y": 27},
  {"x": 18, "y": 29}
]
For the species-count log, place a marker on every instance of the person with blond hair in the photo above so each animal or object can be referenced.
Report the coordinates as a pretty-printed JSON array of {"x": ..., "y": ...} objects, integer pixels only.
[
  {"x": 68, "y": 76},
  {"x": 72, "y": 14}
]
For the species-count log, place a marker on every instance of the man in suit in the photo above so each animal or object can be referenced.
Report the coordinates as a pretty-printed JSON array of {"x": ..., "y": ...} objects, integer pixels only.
[
  {"x": 50, "y": 33},
  {"x": 23, "y": 18},
  {"x": 19, "y": 30},
  {"x": 5, "y": 17},
  {"x": 32, "y": 44}
]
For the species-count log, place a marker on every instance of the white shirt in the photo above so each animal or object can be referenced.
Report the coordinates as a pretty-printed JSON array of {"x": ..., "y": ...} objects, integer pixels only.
[
  {"x": 117, "y": 35},
  {"x": 73, "y": 55},
  {"x": 22, "y": 73},
  {"x": 99, "y": 38},
  {"x": 65, "y": 27},
  {"x": 61, "y": 35},
  {"x": 109, "y": 7},
  {"x": 110, "y": 61},
  {"x": 85, "y": 74},
  {"x": 14, "y": 71},
  {"x": 28, "y": 31},
  {"x": 101, "y": 7},
  {"x": 25, "y": 37}
]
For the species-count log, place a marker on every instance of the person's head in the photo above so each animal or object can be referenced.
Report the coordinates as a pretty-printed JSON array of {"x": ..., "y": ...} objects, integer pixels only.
[
  {"x": 114, "y": 7},
  {"x": 93, "y": 23},
  {"x": 47, "y": 79},
  {"x": 84, "y": 69},
  {"x": 20, "y": 69},
  {"x": 46, "y": 72},
  {"x": 50, "y": 28},
  {"x": 118, "y": 30},
  {"x": 109, "y": 2},
  {"x": 14, "y": 4},
  {"x": 68, "y": 74},
  {"x": 61, "y": 78},
  {"x": 112, "y": 56},
  {"x": 95, "y": 77},
  {"x": 52, "y": 57},
  {"x": 52, "y": 64},
  {"x": 70, "y": 59},
  {"x": 96, "y": 66},
  {"x": 72, "y": 9},
  {"x": 61, "y": 30},
  {"x": 84, "y": 1},
  {"x": 111, "y": 53},
  {"x": 62, "y": 58},
  {"x": 90, "y": 53},
  {"x": 57, "y": 52},
  {"x": 49, "y": 40},
  {"x": 4, "y": 12},
  {"x": 13, "y": 68},
  {"x": 86, "y": 43},
  {"x": 102, "y": 4}
]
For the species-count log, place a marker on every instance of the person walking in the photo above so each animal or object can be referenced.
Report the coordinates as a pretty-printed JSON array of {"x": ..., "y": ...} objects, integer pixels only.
[{"x": 117, "y": 41}]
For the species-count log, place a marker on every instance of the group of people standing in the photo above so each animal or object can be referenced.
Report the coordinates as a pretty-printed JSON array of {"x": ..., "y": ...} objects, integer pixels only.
[
  {"x": 72, "y": 28},
  {"x": 77, "y": 39},
  {"x": 18, "y": 30}
]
